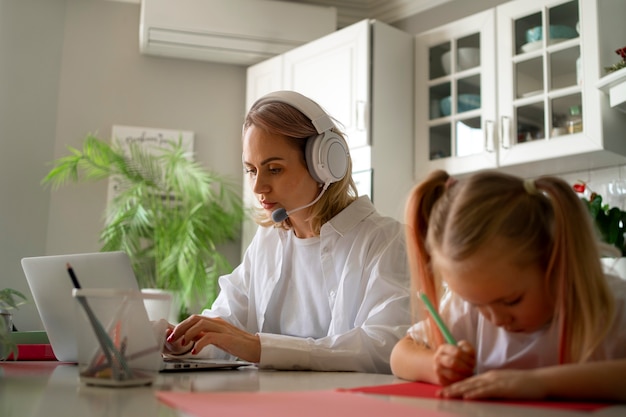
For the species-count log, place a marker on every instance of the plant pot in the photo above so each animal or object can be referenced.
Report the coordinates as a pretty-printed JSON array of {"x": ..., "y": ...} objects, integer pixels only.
[
  {"x": 615, "y": 266},
  {"x": 162, "y": 309}
]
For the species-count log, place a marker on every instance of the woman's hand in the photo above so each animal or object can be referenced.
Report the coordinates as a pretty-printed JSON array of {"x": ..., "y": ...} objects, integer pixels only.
[
  {"x": 454, "y": 363},
  {"x": 175, "y": 347},
  {"x": 520, "y": 384},
  {"x": 202, "y": 331}
]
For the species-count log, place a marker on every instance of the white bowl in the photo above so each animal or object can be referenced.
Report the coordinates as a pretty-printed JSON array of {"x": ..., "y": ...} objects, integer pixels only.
[{"x": 466, "y": 58}]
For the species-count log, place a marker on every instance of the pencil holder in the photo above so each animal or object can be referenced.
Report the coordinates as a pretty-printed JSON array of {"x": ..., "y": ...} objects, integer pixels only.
[{"x": 117, "y": 345}]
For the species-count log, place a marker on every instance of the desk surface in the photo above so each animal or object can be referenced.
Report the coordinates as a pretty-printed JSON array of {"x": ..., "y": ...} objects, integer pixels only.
[{"x": 50, "y": 389}]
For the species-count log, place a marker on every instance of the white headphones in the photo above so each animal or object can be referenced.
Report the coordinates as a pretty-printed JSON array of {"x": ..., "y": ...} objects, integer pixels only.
[{"x": 327, "y": 153}]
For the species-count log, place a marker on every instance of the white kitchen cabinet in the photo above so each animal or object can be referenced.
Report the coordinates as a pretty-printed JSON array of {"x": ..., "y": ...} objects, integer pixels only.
[
  {"x": 527, "y": 89},
  {"x": 456, "y": 62},
  {"x": 363, "y": 76},
  {"x": 263, "y": 78}
]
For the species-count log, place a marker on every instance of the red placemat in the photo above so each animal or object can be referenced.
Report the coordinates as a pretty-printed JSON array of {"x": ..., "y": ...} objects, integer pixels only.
[
  {"x": 424, "y": 390},
  {"x": 288, "y": 404}
]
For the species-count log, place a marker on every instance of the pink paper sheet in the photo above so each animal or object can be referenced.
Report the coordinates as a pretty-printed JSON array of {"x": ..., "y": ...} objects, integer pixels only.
[
  {"x": 423, "y": 390},
  {"x": 287, "y": 404}
]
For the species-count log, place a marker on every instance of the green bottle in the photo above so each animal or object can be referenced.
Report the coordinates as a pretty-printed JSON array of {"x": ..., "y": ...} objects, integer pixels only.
[{"x": 574, "y": 122}]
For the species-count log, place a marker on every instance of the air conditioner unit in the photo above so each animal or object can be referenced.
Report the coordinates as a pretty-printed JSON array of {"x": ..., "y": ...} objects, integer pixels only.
[{"x": 241, "y": 32}]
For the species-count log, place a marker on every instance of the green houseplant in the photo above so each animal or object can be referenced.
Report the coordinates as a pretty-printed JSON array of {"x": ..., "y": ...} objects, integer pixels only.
[
  {"x": 610, "y": 221},
  {"x": 9, "y": 299},
  {"x": 169, "y": 216}
]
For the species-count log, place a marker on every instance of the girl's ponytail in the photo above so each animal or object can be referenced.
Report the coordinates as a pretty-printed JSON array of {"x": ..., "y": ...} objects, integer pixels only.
[
  {"x": 584, "y": 306},
  {"x": 419, "y": 207}
]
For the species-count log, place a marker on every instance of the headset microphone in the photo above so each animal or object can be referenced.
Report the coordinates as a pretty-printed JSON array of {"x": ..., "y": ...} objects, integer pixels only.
[{"x": 280, "y": 215}]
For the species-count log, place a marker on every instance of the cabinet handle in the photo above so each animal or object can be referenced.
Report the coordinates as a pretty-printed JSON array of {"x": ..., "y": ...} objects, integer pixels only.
[
  {"x": 360, "y": 116},
  {"x": 505, "y": 133},
  {"x": 489, "y": 142}
]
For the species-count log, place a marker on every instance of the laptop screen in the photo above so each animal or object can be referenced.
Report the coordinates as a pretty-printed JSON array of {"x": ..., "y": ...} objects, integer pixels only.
[{"x": 51, "y": 287}]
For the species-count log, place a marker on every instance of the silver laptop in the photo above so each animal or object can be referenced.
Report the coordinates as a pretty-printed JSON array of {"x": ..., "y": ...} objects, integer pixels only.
[{"x": 51, "y": 287}]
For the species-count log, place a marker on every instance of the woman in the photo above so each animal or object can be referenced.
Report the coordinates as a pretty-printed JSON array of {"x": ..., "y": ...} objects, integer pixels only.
[{"x": 324, "y": 283}]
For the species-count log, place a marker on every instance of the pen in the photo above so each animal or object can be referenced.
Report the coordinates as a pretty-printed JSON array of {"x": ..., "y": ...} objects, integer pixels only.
[
  {"x": 442, "y": 327},
  {"x": 70, "y": 271}
]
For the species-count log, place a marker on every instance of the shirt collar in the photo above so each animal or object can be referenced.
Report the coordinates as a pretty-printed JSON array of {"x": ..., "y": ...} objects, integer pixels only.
[{"x": 352, "y": 215}]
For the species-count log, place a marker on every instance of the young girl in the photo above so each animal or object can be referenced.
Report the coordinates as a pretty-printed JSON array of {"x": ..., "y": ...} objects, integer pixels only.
[{"x": 514, "y": 268}]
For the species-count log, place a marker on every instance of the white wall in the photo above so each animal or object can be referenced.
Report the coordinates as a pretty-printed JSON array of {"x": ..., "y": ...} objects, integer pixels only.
[
  {"x": 31, "y": 39},
  {"x": 73, "y": 67}
]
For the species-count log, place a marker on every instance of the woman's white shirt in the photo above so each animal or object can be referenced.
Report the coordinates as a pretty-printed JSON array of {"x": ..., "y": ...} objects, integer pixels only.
[
  {"x": 498, "y": 349},
  {"x": 357, "y": 283},
  {"x": 295, "y": 299}
]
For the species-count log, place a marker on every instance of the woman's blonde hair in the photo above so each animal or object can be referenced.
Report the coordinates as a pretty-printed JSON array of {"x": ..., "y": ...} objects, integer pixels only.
[
  {"x": 280, "y": 118},
  {"x": 540, "y": 220}
]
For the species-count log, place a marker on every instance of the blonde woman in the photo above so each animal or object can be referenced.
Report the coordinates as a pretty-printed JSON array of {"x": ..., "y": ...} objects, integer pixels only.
[
  {"x": 324, "y": 283},
  {"x": 514, "y": 268}
]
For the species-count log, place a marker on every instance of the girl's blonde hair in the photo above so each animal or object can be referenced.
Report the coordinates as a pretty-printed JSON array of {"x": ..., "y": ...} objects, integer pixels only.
[
  {"x": 280, "y": 118},
  {"x": 541, "y": 220}
]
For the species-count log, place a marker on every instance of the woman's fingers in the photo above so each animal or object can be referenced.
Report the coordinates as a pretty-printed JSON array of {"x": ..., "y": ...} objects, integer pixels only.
[{"x": 183, "y": 327}]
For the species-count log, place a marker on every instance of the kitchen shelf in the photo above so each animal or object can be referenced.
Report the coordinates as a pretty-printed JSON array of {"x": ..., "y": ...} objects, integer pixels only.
[{"x": 614, "y": 85}]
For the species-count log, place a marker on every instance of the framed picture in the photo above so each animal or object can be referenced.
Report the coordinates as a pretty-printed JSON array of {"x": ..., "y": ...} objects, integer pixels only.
[{"x": 151, "y": 138}]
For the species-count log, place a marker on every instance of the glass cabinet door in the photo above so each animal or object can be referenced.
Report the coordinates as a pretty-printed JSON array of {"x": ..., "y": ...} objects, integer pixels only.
[
  {"x": 543, "y": 98},
  {"x": 455, "y": 96}
]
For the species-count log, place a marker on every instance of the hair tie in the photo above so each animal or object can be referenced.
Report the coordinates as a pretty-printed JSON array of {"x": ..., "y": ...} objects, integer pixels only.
[
  {"x": 450, "y": 182},
  {"x": 529, "y": 186}
]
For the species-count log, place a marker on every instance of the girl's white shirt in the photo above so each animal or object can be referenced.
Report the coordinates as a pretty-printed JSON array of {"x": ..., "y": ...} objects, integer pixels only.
[
  {"x": 498, "y": 349},
  {"x": 357, "y": 283}
]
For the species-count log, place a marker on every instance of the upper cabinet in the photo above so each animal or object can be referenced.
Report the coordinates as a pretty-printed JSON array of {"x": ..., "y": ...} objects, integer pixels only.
[
  {"x": 362, "y": 75},
  {"x": 456, "y": 96},
  {"x": 334, "y": 71},
  {"x": 514, "y": 88}
]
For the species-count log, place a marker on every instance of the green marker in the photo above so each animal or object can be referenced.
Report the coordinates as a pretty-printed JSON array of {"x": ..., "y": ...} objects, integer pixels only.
[{"x": 444, "y": 330}]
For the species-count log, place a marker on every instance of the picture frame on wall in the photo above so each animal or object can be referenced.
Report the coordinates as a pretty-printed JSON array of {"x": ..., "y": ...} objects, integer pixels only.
[{"x": 151, "y": 138}]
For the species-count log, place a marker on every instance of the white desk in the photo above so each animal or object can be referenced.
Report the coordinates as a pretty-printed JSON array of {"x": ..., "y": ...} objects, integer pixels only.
[{"x": 49, "y": 389}]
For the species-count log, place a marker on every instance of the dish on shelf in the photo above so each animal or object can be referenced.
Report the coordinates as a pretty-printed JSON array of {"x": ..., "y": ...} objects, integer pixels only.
[
  {"x": 531, "y": 93},
  {"x": 445, "y": 106},
  {"x": 466, "y": 58},
  {"x": 465, "y": 102},
  {"x": 468, "y": 102},
  {"x": 556, "y": 32},
  {"x": 533, "y": 46}
]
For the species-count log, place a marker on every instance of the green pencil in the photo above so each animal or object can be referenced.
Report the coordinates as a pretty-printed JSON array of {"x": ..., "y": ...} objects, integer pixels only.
[{"x": 444, "y": 330}]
